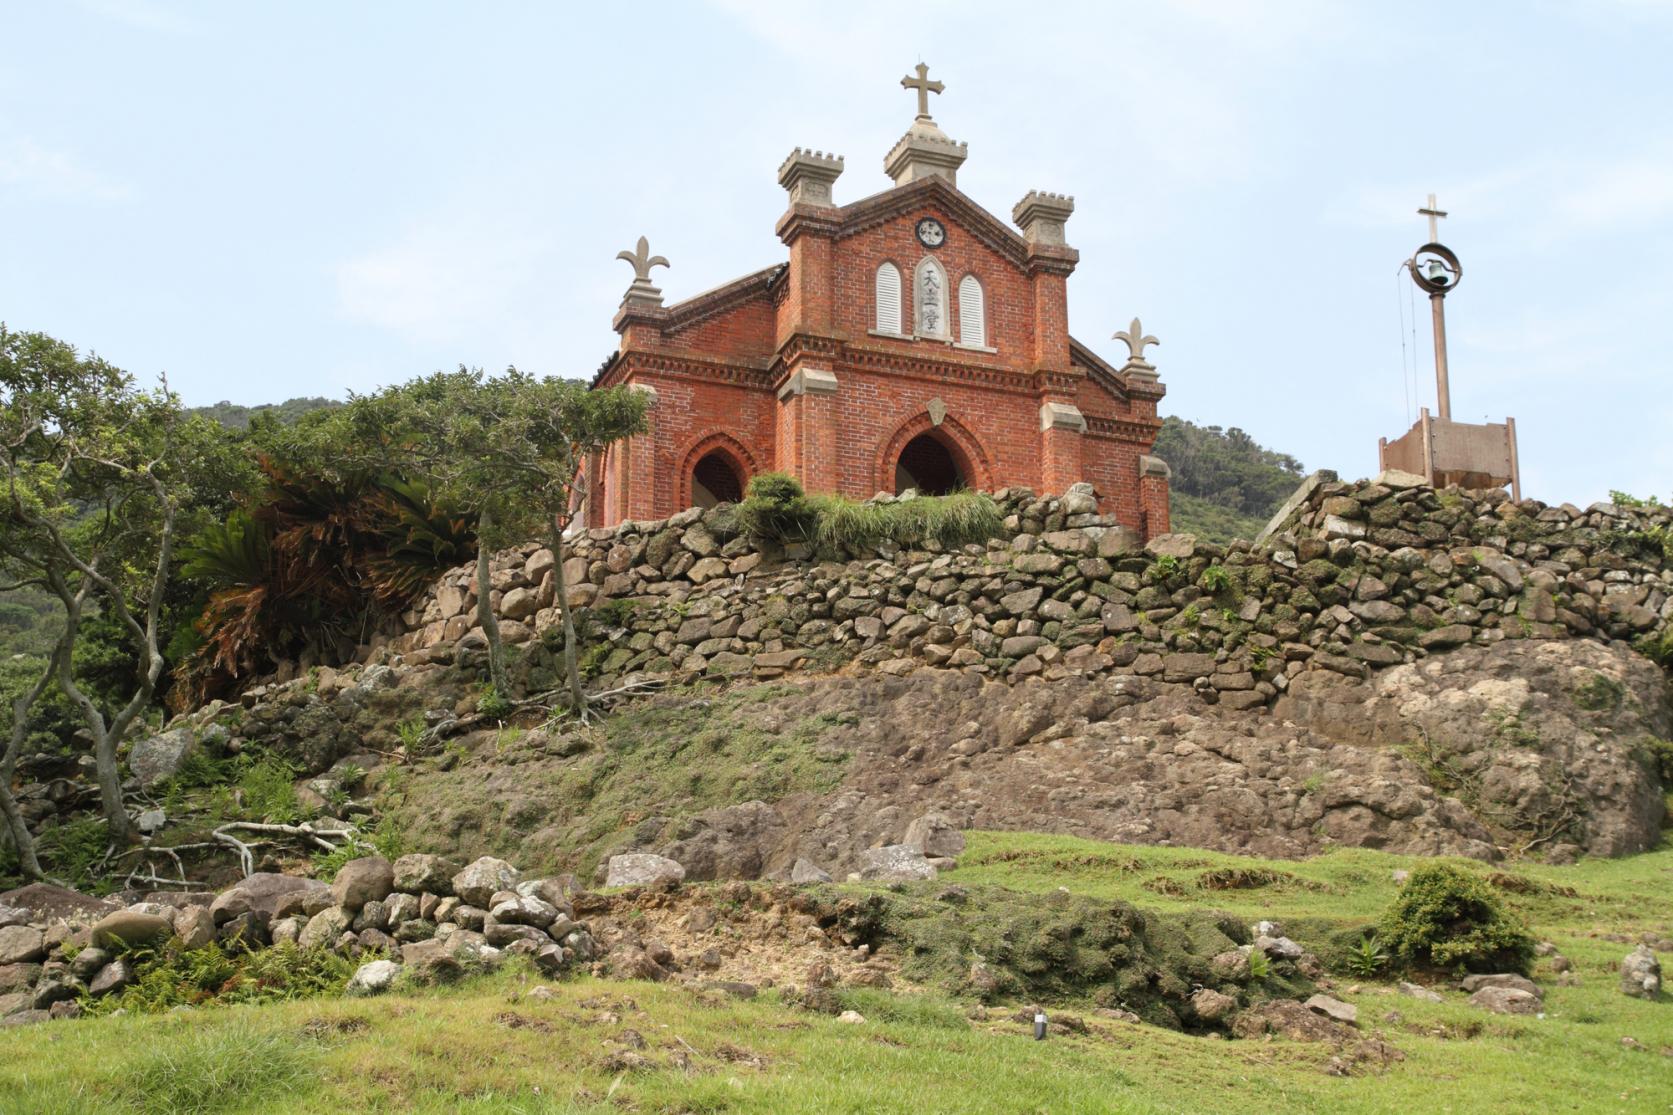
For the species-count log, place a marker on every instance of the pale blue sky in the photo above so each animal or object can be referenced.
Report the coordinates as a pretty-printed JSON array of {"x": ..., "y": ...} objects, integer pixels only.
[{"x": 304, "y": 198}]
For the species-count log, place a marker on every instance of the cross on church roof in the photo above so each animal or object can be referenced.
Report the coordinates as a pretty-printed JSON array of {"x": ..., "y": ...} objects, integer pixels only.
[
  {"x": 1433, "y": 213},
  {"x": 924, "y": 86}
]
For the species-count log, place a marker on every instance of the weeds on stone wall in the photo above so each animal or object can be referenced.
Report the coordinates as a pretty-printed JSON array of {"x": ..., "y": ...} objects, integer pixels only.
[{"x": 779, "y": 510}]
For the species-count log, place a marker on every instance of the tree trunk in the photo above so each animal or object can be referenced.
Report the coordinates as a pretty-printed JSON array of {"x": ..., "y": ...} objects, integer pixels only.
[
  {"x": 485, "y": 617},
  {"x": 560, "y": 596},
  {"x": 104, "y": 742},
  {"x": 21, "y": 839}
]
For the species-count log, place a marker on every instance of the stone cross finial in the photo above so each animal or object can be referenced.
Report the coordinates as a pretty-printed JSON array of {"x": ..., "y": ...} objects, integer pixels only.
[
  {"x": 1136, "y": 339},
  {"x": 642, "y": 261},
  {"x": 924, "y": 86},
  {"x": 1433, "y": 213}
]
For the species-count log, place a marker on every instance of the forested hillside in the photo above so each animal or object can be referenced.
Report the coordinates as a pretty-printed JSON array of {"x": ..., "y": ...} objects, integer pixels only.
[
  {"x": 236, "y": 417},
  {"x": 1225, "y": 485}
]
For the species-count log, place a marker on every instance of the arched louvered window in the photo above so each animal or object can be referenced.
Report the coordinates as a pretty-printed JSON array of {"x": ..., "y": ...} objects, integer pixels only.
[
  {"x": 888, "y": 298},
  {"x": 929, "y": 299},
  {"x": 972, "y": 317}
]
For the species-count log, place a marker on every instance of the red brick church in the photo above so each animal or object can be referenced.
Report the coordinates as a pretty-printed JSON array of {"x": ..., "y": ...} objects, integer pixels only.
[{"x": 911, "y": 340}]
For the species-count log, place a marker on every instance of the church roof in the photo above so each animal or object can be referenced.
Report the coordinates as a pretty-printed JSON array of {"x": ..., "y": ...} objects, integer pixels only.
[
  {"x": 721, "y": 298},
  {"x": 1097, "y": 367}
]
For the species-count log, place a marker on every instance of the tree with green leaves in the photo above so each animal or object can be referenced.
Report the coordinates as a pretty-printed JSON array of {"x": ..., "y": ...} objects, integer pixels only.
[
  {"x": 510, "y": 448},
  {"x": 97, "y": 480}
]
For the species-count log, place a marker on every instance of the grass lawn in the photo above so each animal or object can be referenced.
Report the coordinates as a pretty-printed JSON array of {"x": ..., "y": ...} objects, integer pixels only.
[{"x": 489, "y": 1047}]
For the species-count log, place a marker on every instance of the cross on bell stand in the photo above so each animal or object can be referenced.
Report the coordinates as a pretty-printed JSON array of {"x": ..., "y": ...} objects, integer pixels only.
[
  {"x": 1436, "y": 270},
  {"x": 1440, "y": 450}
]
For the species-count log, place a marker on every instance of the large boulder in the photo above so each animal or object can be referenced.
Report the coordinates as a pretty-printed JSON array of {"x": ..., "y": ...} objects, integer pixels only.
[
  {"x": 374, "y": 977},
  {"x": 194, "y": 927},
  {"x": 21, "y": 944},
  {"x": 421, "y": 873},
  {"x": 111, "y": 978},
  {"x": 261, "y": 893},
  {"x": 1211, "y": 1005},
  {"x": 125, "y": 929},
  {"x": 363, "y": 880},
  {"x": 1641, "y": 973},
  {"x": 895, "y": 863},
  {"x": 936, "y": 835},
  {"x": 477, "y": 884},
  {"x": 158, "y": 758},
  {"x": 42, "y": 902},
  {"x": 519, "y": 909},
  {"x": 805, "y": 870},
  {"x": 1540, "y": 728},
  {"x": 732, "y": 842},
  {"x": 642, "y": 869},
  {"x": 325, "y": 927},
  {"x": 1505, "y": 1000}
]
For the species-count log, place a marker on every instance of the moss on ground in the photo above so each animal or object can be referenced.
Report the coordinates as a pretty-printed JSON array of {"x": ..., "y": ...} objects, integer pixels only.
[{"x": 995, "y": 944}]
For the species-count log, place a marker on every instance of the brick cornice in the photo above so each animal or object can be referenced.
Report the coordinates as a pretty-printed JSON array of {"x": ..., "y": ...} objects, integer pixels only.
[
  {"x": 841, "y": 355},
  {"x": 811, "y": 220},
  {"x": 745, "y": 372},
  {"x": 1141, "y": 431}
]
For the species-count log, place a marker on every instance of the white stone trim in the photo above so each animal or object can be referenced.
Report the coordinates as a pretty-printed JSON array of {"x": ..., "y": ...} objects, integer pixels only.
[
  {"x": 1062, "y": 416},
  {"x": 809, "y": 381}
]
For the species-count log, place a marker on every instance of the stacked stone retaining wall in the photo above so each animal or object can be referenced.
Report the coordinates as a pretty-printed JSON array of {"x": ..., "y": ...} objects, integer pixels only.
[{"x": 1357, "y": 576}]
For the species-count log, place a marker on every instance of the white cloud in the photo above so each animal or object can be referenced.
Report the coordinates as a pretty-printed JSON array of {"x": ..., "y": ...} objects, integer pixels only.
[{"x": 30, "y": 170}]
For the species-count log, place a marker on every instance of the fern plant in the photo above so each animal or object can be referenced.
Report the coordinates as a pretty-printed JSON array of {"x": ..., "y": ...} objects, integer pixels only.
[{"x": 1367, "y": 958}]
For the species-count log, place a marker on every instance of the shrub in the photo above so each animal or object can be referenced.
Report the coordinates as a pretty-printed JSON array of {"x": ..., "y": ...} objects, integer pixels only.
[
  {"x": 776, "y": 508},
  {"x": 1444, "y": 918}
]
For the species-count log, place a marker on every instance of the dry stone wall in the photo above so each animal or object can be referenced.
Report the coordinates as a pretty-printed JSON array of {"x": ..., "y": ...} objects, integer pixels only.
[{"x": 1356, "y": 577}]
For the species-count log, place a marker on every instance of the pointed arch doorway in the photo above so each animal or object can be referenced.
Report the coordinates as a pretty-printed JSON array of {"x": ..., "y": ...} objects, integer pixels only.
[
  {"x": 928, "y": 465},
  {"x": 715, "y": 479}
]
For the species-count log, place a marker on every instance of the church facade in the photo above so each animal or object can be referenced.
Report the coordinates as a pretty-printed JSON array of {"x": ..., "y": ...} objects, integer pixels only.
[{"x": 911, "y": 339}]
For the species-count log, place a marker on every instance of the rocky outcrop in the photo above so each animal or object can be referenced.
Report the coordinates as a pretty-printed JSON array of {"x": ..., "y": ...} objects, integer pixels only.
[{"x": 1481, "y": 752}]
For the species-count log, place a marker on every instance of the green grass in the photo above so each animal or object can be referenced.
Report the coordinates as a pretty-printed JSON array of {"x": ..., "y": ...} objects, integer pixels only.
[
  {"x": 485, "y": 1047},
  {"x": 778, "y": 509},
  {"x": 670, "y": 758},
  {"x": 949, "y": 520}
]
